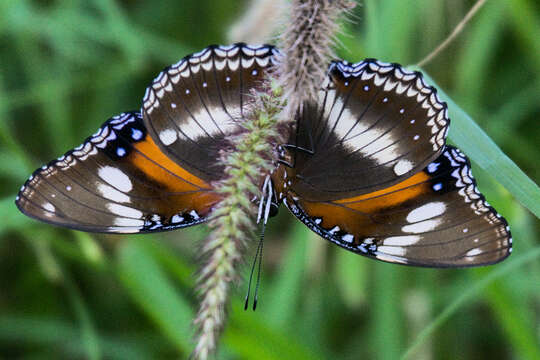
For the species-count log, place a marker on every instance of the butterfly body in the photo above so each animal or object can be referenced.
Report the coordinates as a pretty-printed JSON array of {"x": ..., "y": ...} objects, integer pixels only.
[{"x": 365, "y": 166}]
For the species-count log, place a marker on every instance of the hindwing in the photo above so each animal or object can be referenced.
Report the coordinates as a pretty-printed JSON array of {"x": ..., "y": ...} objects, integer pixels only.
[
  {"x": 435, "y": 218},
  {"x": 118, "y": 180}
]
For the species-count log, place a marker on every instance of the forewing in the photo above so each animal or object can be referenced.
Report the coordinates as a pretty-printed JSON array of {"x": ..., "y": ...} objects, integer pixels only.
[
  {"x": 193, "y": 107},
  {"x": 375, "y": 125},
  {"x": 118, "y": 180},
  {"x": 435, "y": 218}
]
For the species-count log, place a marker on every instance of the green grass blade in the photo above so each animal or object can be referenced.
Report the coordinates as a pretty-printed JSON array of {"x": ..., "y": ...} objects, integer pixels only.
[
  {"x": 254, "y": 338},
  {"x": 349, "y": 265},
  {"x": 483, "y": 35},
  {"x": 502, "y": 269},
  {"x": 468, "y": 136},
  {"x": 7, "y": 138},
  {"x": 527, "y": 24},
  {"x": 522, "y": 105},
  {"x": 399, "y": 19},
  {"x": 386, "y": 313},
  {"x": 52, "y": 268},
  {"x": 89, "y": 335},
  {"x": 63, "y": 337},
  {"x": 284, "y": 296},
  {"x": 54, "y": 110},
  {"x": 176, "y": 266},
  {"x": 373, "y": 39},
  {"x": 12, "y": 219},
  {"x": 507, "y": 307},
  {"x": 150, "y": 288}
]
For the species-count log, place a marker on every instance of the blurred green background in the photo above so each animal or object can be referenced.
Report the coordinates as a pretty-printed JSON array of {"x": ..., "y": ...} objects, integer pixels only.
[{"x": 66, "y": 66}]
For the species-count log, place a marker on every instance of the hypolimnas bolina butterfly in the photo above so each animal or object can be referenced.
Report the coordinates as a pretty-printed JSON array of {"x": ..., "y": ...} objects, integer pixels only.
[{"x": 365, "y": 167}]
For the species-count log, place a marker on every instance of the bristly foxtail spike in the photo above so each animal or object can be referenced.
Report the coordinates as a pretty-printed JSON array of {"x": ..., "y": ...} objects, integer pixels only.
[
  {"x": 312, "y": 21},
  {"x": 307, "y": 44},
  {"x": 233, "y": 217}
]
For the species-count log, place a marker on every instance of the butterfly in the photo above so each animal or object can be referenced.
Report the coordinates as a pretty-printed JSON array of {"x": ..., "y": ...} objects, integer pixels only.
[{"x": 366, "y": 166}]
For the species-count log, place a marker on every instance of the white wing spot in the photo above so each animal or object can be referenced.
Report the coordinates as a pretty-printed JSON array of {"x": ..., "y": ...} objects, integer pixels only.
[
  {"x": 402, "y": 167},
  {"x": 124, "y": 211},
  {"x": 112, "y": 194},
  {"x": 120, "y": 151},
  {"x": 204, "y": 84},
  {"x": 177, "y": 219},
  {"x": 187, "y": 91},
  {"x": 416, "y": 137},
  {"x": 422, "y": 226},
  {"x": 368, "y": 241},
  {"x": 427, "y": 211},
  {"x": 136, "y": 134},
  {"x": 194, "y": 214},
  {"x": 474, "y": 252},
  {"x": 431, "y": 168},
  {"x": 168, "y": 136},
  {"x": 68, "y": 188},
  {"x": 128, "y": 222},
  {"x": 390, "y": 250},
  {"x": 116, "y": 178},
  {"x": 366, "y": 88},
  {"x": 334, "y": 230},
  {"x": 401, "y": 240},
  {"x": 49, "y": 207},
  {"x": 173, "y": 105},
  {"x": 348, "y": 238}
]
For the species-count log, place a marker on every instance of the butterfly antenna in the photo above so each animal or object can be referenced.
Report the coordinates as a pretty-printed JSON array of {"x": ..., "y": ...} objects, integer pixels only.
[
  {"x": 261, "y": 242},
  {"x": 257, "y": 253},
  {"x": 263, "y": 214}
]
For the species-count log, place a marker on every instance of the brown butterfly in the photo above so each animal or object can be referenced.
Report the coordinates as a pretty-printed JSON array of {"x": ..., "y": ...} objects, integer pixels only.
[{"x": 365, "y": 167}]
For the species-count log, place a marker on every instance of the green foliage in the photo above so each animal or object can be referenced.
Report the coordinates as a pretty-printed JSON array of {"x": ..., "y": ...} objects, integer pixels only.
[{"x": 66, "y": 66}]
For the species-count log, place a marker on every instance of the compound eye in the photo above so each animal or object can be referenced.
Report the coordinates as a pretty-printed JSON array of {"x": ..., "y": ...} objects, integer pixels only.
[{"x": 274, "y": 207}]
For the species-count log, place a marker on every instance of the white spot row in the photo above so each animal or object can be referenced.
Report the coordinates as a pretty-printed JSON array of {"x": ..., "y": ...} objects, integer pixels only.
[
  {"x": 403, "y": 81},
  {"x": 223, "y": 56}
]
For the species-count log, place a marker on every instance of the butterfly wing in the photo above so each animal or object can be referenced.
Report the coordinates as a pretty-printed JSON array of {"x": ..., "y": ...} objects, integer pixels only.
[
  {"x": 193, "y": 107},
  {"x": 435, "y": 218},
  {"x": 375, "y": 125},
  {"x": 119, "y": 181}
]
